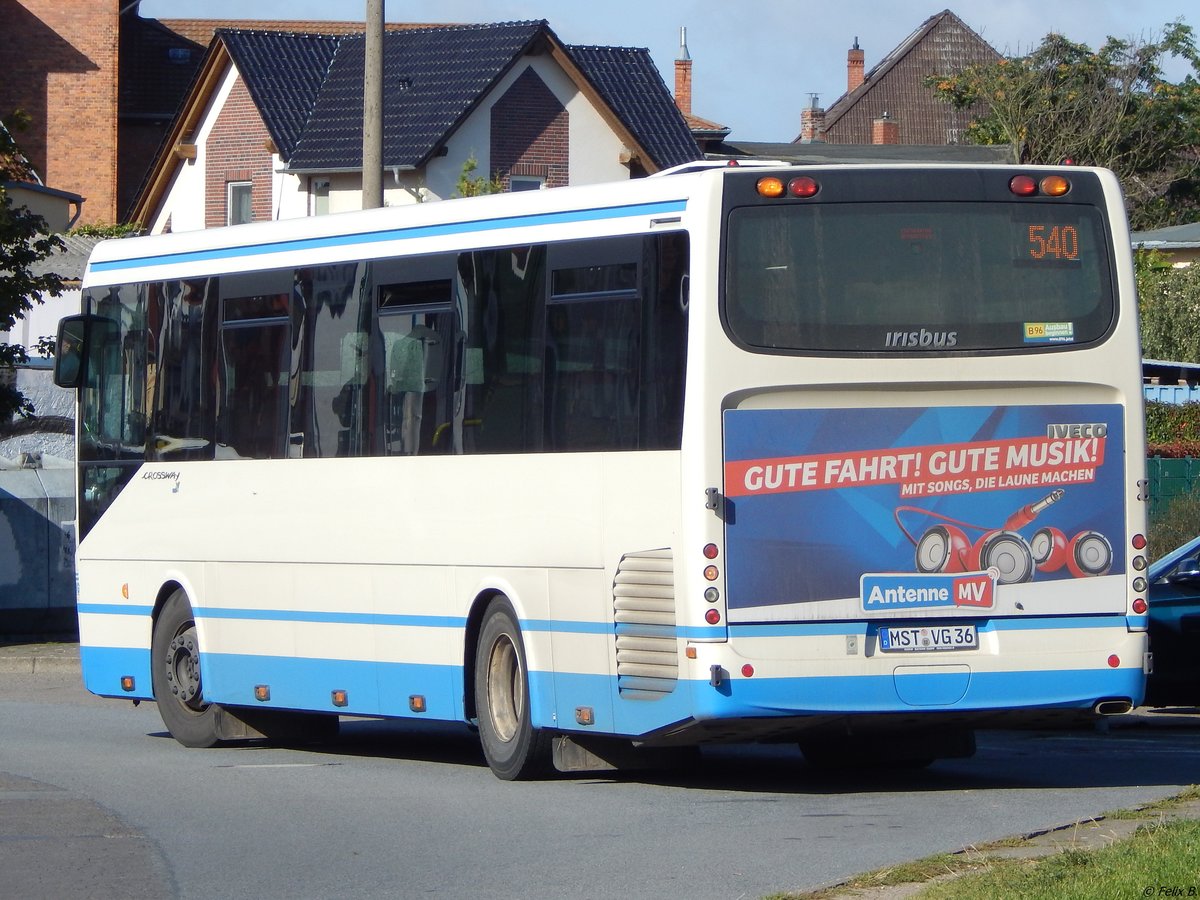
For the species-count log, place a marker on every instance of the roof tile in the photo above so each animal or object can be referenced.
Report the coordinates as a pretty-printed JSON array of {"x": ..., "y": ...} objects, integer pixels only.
[{"x": 630, "y": 83}]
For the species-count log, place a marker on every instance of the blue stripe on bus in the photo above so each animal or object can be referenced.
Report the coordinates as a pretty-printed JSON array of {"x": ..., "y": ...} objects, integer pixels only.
[
  {"x": 104, "y": 667},
  {"x": 113, "y": 609},
  {"x": 372, "y": 688},
  {"x": 560, "y": 626},
  {"x": 383, "y": 689},
  {"x": 392, "y": 234},
  {"x": 1031, "y": 690}
]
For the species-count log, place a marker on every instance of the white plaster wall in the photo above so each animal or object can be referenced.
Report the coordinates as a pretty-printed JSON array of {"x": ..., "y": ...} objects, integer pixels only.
[
  {"x": 183, "y": 204},
  {"x": 289, "y": 193},
  {"x": 594, "y": 148},
  {"x": 42, "y": 320}
]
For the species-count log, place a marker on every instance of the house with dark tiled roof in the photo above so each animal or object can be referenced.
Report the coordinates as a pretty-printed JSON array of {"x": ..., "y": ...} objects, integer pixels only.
[
  {"x": 890, "y": 104},
  {"x": 272, "y": 125},
  {"x": 157, "y": 61}
]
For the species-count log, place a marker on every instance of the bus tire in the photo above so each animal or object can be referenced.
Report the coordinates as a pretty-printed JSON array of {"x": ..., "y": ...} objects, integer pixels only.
[
  {"x": 175, "y": 676},
  {"x": 514, "y": 749}
]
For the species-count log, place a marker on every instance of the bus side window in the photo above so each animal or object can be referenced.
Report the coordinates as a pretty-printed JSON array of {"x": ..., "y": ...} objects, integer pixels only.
[
  {"x": 253, "y": 371},
  {"x": 420, "y": 356},
  {"x": 331, "y": 323},
  {"x": 664, "y": 341},
  {"x": 502, "y": 299},
  {"x": 181, "y": 317}
]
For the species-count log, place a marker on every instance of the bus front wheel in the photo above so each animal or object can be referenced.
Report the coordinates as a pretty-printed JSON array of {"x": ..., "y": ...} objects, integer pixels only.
[
  {"x": 514, "y": 749},
  {"x": 175, "y": 674}
]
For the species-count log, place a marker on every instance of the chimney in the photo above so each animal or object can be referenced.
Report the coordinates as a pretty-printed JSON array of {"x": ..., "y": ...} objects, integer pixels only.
[
  {"x": 854, "y": 67},
  {"x": 885, "y": 130},
  {"x": 812, "y": 121},
  {"x": 683, "y": 75}
]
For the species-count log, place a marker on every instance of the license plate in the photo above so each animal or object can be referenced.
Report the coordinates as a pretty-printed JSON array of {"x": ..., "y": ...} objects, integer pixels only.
[{"x": 914, "y": 638}]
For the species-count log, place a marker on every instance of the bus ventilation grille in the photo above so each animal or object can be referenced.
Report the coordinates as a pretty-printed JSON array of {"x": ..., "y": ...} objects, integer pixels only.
[{"x": 644, "y": 610}]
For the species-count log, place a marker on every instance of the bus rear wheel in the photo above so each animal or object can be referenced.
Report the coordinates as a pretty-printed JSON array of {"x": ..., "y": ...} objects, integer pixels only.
[
  {"x": 175, "y": 675},
  {"x": 514, "y": 749}
]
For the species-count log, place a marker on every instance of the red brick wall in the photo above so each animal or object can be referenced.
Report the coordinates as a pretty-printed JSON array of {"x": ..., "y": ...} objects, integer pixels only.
[
  {"x": 530, "y": 133},
  {"x": 58, "y": 63},
  {"x": 885, "y": 130},
  {"x": 683, "y": 86},
  {"x": 949, "y": 47},
  {"x": 237, "y": 150}
]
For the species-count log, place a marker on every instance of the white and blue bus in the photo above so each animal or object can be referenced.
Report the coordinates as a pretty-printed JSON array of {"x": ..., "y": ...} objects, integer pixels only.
[{"x": 847, "y": 456}]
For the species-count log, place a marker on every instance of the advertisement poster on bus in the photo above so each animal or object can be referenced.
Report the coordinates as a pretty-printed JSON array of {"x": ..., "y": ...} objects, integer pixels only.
[{"x": 923, "y": 511}]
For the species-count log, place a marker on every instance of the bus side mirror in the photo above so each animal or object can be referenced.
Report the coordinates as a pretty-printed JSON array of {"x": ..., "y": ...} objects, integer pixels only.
[{"x": 71, "y": 350}]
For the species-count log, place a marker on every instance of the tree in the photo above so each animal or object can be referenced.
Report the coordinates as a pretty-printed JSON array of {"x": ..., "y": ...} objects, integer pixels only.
[
  {"x": 1110, "y": 107},
  {"x": 1168, "y": 309},
  {"x": 471, "y": 185},
  {"x": 23, "y": 243}
]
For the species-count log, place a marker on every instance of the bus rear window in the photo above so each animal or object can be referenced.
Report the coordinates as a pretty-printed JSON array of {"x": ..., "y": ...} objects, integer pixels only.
[{"x": 916, "y": 276}]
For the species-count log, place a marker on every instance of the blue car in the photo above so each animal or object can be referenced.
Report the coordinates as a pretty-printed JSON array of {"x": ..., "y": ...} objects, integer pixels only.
[{"x": 1174, "y": 599}]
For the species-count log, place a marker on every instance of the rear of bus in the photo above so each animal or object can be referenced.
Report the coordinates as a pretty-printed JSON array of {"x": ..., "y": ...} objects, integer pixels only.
[{"x": 925, "y": 455}]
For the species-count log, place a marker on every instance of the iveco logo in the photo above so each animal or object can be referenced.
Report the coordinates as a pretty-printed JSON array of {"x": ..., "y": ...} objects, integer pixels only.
[{"x": 927, "y": 340}]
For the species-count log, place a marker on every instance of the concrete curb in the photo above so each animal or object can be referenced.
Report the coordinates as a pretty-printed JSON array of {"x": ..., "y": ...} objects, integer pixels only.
[{"x": 39, "y": 659}]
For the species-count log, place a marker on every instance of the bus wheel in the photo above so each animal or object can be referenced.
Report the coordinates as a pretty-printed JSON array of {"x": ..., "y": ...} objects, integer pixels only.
[
  {"x": 175, "y": 673},
  {"x": 514, "y": 749}
]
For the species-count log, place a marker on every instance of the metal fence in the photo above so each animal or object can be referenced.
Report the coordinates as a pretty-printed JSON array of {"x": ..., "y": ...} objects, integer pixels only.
[{"x": 1169, "y": 478}]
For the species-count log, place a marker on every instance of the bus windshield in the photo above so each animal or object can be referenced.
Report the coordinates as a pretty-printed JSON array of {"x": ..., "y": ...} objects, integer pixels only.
[{"x": 917, "y": 276}]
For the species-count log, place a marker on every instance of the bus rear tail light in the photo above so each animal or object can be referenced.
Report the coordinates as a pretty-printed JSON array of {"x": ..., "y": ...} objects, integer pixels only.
[
  {"x": 711, "y": 551},
  {"x": 1049, "y": 186},
  {"x": 712, "y": 617},
  {"x": 770, "y": 186},
  {"x": 1022, "y": 186},
  {"x": 803, "y": 187},
  {"x": 1054, "y": 186},
  {"x": 1139, "y": 606}
]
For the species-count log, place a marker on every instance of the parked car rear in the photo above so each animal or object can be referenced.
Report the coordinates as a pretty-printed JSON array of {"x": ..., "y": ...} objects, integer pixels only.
[{"x": 1174, "y": 598}]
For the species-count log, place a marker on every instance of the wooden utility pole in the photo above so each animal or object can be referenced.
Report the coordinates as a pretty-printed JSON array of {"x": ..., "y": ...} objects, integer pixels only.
[{"x": 372, "y": 154}]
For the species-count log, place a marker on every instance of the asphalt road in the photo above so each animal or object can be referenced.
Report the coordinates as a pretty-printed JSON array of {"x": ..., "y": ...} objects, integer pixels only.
[{"x": 96, "y": 801}]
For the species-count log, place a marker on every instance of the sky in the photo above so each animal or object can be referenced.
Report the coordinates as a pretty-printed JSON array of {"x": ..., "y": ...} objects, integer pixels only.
[{"x": 754, "y": 62}]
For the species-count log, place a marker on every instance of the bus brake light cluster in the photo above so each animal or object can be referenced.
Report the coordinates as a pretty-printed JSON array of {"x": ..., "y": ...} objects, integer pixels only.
[
  {"x": 1049, "y": 186},
  {"x": 1139, "y": 583},
  {"x": 802, "y": 186},
  {"x": 711, "y": 573}
]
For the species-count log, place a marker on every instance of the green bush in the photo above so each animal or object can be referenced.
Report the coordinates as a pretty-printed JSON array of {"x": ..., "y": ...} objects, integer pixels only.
[
  {"x": 1169, "y": 306},
  {"x": 1173, "y": 429}
]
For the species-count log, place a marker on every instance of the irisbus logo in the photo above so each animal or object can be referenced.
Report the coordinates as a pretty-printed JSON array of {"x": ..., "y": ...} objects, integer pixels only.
[
  {"x": 886, "y": 592},
  {"x": 921, "y": 340}
]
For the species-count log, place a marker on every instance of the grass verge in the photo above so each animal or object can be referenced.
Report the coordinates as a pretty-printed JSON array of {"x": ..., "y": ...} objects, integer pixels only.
[{"x": 1160, "y": 859}]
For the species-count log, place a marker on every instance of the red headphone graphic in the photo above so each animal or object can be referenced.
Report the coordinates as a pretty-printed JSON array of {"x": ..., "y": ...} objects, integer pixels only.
[{"x": 946, "y": 548}]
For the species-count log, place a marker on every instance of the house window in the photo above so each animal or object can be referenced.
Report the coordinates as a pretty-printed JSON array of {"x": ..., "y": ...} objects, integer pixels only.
[
  {"x": 238, "y": 207},
  {"x": 525, "y": 183},
  {"x": 319, "y": 195}
]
